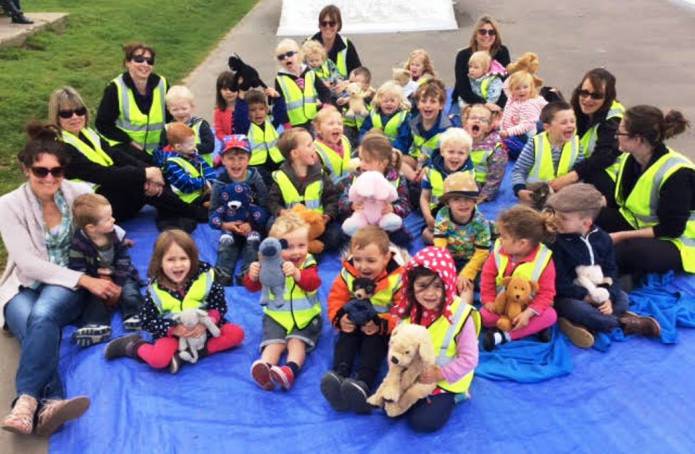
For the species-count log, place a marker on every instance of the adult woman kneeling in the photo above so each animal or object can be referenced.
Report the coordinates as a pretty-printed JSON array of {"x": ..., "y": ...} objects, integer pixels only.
[
  {"x": 132, "y": 113},
  {"x": 598, "y": 115},
  {"x": 126, "y": 181},
  {"x": 38, "y": 292},
  {"x": 653, "y": 222},
  {"x": 486, "y": 36}
]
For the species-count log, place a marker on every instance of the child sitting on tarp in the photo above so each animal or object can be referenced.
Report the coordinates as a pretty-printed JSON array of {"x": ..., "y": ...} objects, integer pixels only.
[
  {"x": 581, "y": 243},
  {"x": 520, "y": 252}
]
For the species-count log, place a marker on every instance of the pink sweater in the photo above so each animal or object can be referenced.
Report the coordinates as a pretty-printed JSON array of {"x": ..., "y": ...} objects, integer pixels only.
[
  {"x": 520, "y": 117},
  {"x": 466, "y": 354}
]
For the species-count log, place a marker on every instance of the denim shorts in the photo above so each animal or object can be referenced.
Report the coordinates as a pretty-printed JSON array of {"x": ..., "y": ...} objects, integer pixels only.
[{"x": 275, "y": 333}]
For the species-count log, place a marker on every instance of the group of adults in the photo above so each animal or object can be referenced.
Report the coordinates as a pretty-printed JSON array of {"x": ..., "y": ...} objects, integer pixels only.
[{"x": 650, "y": 213}]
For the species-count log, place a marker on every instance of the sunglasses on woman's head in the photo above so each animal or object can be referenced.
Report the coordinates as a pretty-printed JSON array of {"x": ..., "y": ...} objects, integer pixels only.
[
  {"x": 328, "y": 23},
  {"x": 483, "y": 32},
  {"x": 288, "y": 54},
  {"x": 142, "y": 59},
  {"x": 42, "y": 172},
  {"x": 588, "y": 94},
  {"x": 80, "y": 112}
]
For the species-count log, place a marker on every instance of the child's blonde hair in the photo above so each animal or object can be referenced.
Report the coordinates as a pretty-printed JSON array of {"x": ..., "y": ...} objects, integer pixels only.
[
  {"x": 178, "y": 132},
  {"x": 84, "y": 209},
  {"x": 428, "y": 67},
  {"x": 390, "y": 87},
  {"x": 287, "y": 223},
  {"x": 524, "y": 223},
  {"x": 483, "y": 58},
  {"x": 521, "y": 77},
  {"x": 455, "y": 136},
  {"x": 179, "y": 93},
  {"x": 289, "y": 140},
  {"x": 313, "y": 47},
  {"x": 287, "y": 45},
  {"x": 324, "y": 114},
  {"x": 371, "y": 234},
  {"x": 164, "y": 241}
]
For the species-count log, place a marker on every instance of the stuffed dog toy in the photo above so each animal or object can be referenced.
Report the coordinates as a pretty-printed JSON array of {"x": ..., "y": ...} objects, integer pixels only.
[
  {"x": 410, "y": 353},
  {"x": 190, "y": 346}
]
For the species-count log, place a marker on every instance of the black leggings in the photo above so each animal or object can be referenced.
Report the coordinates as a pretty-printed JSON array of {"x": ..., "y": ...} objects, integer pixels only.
[
  {"x": 371, "y": 349},
  {"x": 639, "y": 255}
]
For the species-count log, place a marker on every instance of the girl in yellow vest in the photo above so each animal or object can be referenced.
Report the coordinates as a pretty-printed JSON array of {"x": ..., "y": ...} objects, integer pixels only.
[
  {"x": 519, "y": 252},
  {"x": 550, "y": 154},
  {"x": 389, "y": 111},
  {"x": 653, "y": 225},
  {"x": 178, "y": 281},
  {"x": 429, "y": 299},
  {"x": 376, "y": 154},
  {"x": 295, "y": 324},
  {"x": 301, "y": 92},
  {"x": 370, "y": 258},
  {"x": 487, "y": 154},
  {"x": 332, "y": 146},
  {"x": 181, "y": 105},
  {"x": 302, "y": 180},
  {"x": 316, "y": 58},
  {"x": 598, "y": 115}
]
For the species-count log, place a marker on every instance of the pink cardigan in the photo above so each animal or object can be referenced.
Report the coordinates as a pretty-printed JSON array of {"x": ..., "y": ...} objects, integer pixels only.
[{"x": 23, "y": 233}]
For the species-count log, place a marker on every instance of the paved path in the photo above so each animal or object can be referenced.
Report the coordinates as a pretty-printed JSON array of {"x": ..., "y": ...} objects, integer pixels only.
[{"x": 647, "y": 44}]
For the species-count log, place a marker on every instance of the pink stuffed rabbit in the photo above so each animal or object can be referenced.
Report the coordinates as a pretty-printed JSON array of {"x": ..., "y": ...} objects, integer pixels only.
[{"x": 374, "y": 192}]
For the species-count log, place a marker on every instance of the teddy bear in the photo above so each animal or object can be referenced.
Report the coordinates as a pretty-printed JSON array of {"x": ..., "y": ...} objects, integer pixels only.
[
  {"x": 234, "y": 205},
  {"x": 356, "y": 106},
  {"x": 360, "y": 309},
  {"x": 374, "y": 192},
  {"x": 190, "y": 346},
  {"x": 272, "y": 278},
  {"x": 410, "y": 353},
  {"x": 317, "y": 226},
  {"x": 246, "y": 76},
  {"x": 510, "y": 302},
  {"x": 591, "y": 278}
]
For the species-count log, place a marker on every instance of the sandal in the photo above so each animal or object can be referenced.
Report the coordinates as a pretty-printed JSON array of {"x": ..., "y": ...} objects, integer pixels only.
[{"x": 21, "y": 417}]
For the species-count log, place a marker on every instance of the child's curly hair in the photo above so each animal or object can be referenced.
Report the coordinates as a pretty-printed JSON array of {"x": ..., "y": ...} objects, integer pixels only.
[
  {"x": 286, "y": 223},
  {"x": 392, "y": 88},
  {"x": 523, "y": 222}
]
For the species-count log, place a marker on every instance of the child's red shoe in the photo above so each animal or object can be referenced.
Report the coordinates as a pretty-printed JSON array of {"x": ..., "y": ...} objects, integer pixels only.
[
  {"x": 282, "y": 376},
  {"x": 260, "y": 371}
]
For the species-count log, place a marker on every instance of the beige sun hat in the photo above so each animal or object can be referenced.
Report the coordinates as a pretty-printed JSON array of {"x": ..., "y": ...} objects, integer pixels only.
[{"x": 460, "y": 184}]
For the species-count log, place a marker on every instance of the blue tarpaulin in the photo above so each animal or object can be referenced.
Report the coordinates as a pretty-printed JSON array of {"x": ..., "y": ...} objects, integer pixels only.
[{"x": 634, "y": 396}]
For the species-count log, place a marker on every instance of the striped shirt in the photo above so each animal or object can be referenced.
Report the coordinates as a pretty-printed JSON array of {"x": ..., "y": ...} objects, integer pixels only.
[
  {"x": 182, "y": 180},
  {"x": 520, "y": 117}
]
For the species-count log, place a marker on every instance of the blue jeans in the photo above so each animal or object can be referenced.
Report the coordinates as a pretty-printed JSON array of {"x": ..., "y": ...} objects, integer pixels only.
[
  {"x": 431, "y": 413},
  {"x": 97, "y": 313},
  {"x": 582, "y": 313},
  {"x": 228, "y": 255},
  {"x": 36, "y": 318}
]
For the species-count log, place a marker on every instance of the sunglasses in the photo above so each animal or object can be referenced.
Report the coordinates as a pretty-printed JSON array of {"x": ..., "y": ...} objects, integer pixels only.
[
  {"x": 142, "y": 59},
  {"x": 80, "y": 112},
  {"x": 483, "y": 32},
  {"x": 288, "y": 54},
  {"x": 42, "y": 172},
  {"x": 328, "y": 23},
  {"x": 588, "y": 94},
  {"x": 618, "y": 134}
]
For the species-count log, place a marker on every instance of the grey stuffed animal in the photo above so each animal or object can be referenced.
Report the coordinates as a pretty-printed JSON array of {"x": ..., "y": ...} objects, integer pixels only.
[
  {"x": 190, "y": 346},
  {"x": 272, "y": 278}
]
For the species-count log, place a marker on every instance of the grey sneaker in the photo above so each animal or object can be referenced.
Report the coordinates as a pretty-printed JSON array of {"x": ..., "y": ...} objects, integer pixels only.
[
  {"x": 132, "y": 323},
  {"x": 91, "y": 334},
  {"x": 354, "y": 394},
  {"x": 330, "y": 388}
]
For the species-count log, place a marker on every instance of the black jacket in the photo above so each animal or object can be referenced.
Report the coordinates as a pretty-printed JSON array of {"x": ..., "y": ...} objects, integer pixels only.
[
  {"x": 462, "y": 87},
  {"x": 606, "y": 149},
  {"x": 352, "y": 60}
]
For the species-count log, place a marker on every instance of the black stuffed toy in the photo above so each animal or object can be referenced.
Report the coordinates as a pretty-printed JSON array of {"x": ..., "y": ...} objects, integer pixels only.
[
  {"x": 359, "y": 309},
  {"x": 247, "y": 77}
]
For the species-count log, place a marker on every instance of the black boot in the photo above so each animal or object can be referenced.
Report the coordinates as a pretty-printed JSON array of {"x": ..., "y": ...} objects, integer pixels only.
[
  {"x": 123, "y": 346},
  {"x": 13, "y": 10}
]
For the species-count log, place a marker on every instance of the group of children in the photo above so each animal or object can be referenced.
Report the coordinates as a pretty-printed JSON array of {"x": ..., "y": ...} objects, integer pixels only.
[{"x": 308, "y": 153}]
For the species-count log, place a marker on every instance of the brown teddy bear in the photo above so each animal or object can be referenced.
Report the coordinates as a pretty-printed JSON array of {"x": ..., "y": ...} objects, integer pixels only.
[
  {"x": 410, "y": 353},
  {"x": 316, "y": 227},
  {"x": 512, "y": 301}
]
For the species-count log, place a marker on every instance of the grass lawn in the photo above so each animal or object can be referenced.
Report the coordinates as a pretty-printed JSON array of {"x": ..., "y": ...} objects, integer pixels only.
[{"x": 89, "y": 54}]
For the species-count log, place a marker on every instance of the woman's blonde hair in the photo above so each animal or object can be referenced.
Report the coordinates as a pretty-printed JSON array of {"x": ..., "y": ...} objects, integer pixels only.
[
  {"x": 164, "y": 241},
  {"x": 426, "y": 61},
  {"x": 390, "y": 87},
  {"x": 287, "y": 223},
  {"x": 62, "y": 99}
]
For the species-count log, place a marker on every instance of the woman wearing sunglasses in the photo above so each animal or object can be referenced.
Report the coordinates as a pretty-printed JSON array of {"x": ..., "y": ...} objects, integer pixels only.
[
  {"x": 598, "y": 114},
  {"x": 653, "y": 222},
  {"x": 486, "y": 36},
  {"x": 38, "y": 293},
  {"x": 132, "y": 113},
  {"x": 126, "y": 181},
  {"x": 340, "y": 50}
]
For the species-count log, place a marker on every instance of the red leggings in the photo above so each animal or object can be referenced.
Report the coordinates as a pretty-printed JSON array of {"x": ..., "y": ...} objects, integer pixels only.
[{"x": 159, "y": 354}]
